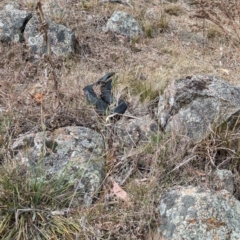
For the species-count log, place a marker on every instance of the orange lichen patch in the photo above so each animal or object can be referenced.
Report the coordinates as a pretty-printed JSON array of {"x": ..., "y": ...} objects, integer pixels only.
[
  {"x": 192, "y": 221},
  {"x": 213, "y": 223}
]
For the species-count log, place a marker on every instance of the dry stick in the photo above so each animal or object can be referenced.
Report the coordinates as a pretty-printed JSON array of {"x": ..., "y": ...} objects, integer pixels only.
[{"x": 44, "y": 28}]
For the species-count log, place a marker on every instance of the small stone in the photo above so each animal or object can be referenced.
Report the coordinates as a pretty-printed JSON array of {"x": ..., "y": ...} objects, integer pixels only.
[{"x": 124, "y": 24}]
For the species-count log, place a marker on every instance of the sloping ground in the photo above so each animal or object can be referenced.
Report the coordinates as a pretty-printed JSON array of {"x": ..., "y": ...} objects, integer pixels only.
[{"x": 173, "y": 46}]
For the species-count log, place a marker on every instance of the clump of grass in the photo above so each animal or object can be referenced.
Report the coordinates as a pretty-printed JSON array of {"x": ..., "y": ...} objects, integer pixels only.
[
  {"x": 174, "y": 9},
  {"x": 142, "y": 88},
  {"x": 29, "y": 204},
  {"x": 159, "y": 23},
  {"x": 146, "y": 91},
  {"x": 219, "y": 150},
  {"x": 162, "y": 23},
  {"x": 148, "y": 29}
]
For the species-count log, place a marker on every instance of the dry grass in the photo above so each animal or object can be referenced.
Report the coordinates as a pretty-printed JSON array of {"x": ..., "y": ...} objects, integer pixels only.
[
  {"x": 173, "y": 46},
  {"x": 225, "y": 14}
]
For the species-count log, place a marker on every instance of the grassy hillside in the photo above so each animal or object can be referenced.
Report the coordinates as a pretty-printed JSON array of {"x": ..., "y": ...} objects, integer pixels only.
[{"x": 174, "y": 45}]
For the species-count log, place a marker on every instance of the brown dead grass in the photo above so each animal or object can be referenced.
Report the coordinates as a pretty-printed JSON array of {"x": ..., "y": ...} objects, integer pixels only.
[{"x": 173, "y": 46}]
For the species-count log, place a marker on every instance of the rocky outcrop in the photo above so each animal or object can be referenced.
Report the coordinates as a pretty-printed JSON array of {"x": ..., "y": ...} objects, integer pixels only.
[
  {"x": 18, "y": 25},
  {"x": 62, "y": 39},
  {"x": 75, "y": 153},
  {"x": 124, "y": 24},
  {"x": 194, "y": 213},
  {"x": 12, "y": 23},
  {"x": 191, "y": 105}
]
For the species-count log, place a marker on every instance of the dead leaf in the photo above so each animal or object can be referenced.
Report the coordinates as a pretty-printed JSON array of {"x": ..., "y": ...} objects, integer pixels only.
[
  {"x": 38, "y": 97},
  {"x": 119, "y": 192}
]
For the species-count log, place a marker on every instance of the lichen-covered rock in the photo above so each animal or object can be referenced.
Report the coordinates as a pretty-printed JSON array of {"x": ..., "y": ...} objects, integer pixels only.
[
  {"x": 73, "y": 152},
  {"x": 134, "y": 131},
  {"x": 192, "y": 104},
  {"x": 193, "y": 213},
  {"x": 12, "y": 23},
  {"x": 124, "y": 24},
  {"x": 62, "y": 39}
]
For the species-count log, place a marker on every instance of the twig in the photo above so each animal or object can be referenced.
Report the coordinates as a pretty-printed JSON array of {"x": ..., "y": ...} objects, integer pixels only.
[{"x": 44, "y": 28}]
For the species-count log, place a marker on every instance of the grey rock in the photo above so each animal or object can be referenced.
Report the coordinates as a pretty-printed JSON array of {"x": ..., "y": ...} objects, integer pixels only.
[
  {"x": 62, "y": 39},
  {"x": 12, "y": 23},
  {"x": 223, "y": 179},
  {"x": 134, "y": 131},
  {"x": 194, "y": 213},
  {"x": 124, "y": 24},
  {"x": 192, "y": 104},
  {"x": 73, "y": 152}
]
